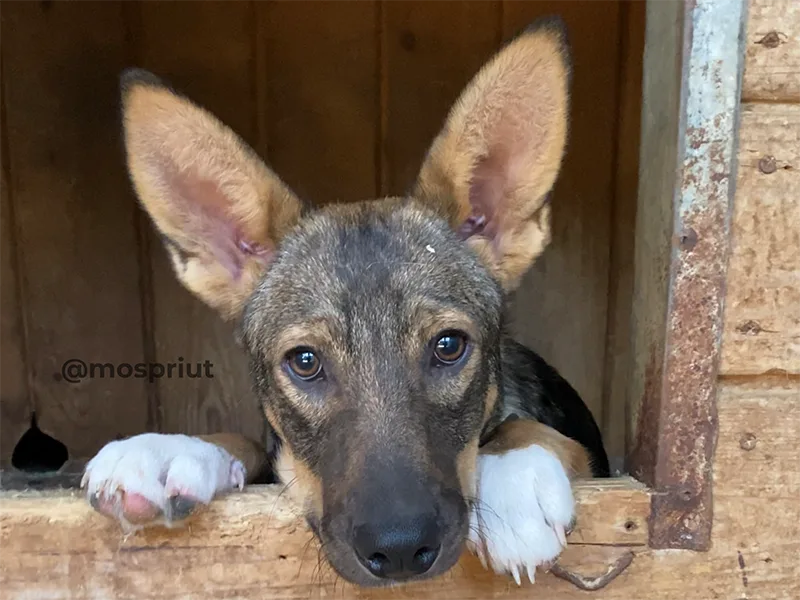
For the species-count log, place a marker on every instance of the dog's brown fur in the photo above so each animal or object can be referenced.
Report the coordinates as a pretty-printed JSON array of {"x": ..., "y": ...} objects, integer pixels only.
[
  {"x": 295, "y": 278},
  {"x": 521, "y": 433}
]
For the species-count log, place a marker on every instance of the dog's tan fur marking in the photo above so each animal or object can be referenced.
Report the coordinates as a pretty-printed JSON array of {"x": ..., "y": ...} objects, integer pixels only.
[
  {"x": 205, "y": 190},
  {"x": 432, "y": 321},
  {"x": 302, "y": 486},
  {"x": 465, "y": 464},
  {"x": 250, "y": 453},
  {"x": 521, "y": 433},
  {"x": 504, "y": 139},
  {"x": 314, "y": 334},
  {"x": 492, "y": 396}
]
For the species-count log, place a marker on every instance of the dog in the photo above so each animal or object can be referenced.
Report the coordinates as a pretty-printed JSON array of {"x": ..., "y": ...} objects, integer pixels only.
[{"x": 406, "y": 419}]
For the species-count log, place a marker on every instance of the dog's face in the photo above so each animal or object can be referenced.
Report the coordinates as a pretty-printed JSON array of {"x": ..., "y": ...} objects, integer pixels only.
[
  {"x": 373, "y": 329},
  {"x": 374, "y": 343}
]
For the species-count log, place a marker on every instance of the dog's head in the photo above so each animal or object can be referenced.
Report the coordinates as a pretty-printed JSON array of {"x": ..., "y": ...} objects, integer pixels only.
[{"x": 373, "y": 328}]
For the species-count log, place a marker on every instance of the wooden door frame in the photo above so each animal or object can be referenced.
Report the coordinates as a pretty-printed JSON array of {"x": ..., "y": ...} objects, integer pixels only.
[{"x": 693, "y": 66}]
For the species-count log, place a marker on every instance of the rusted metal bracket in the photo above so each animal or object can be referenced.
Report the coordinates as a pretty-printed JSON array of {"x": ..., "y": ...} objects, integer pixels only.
[
  {"x": 591, "y": 584},
  {"x": 691, "y": 111}
]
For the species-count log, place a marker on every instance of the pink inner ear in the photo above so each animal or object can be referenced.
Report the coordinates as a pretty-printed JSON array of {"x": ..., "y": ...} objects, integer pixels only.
[
  {"x": 204, "y": 216},
  {"x": 486, "y": 193},
  {"x": 251, "y": 248}
]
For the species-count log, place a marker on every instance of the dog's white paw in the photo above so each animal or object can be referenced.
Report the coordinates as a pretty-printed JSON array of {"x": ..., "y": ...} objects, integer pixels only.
[
  {"x": 523, "y": 510},
  {"x": 157, "y": 478}
]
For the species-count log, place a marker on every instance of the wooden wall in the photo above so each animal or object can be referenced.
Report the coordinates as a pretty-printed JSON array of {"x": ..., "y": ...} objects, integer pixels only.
[{"x": 342, "y": 99}]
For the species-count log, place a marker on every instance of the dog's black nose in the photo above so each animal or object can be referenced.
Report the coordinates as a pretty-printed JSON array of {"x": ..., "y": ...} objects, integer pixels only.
[{"x": 398, "y": 549}]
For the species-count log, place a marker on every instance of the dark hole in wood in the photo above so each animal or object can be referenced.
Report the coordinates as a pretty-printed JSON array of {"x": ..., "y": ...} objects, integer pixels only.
[
  {"x": 630, "y": 525},
  {"x": 37, "y": 452}
]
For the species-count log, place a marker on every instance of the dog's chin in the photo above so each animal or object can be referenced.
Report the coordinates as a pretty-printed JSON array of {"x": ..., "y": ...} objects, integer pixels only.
[{"x": 345, "y": 563}]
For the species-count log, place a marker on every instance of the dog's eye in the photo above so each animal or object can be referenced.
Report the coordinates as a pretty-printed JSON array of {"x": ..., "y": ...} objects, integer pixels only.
[
  {"x": 450, "y": 347},
  {"x": 304, "y": 363}
]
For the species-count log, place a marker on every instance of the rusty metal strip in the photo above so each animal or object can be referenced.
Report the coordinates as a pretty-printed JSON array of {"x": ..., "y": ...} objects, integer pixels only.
[
  {"x": 675, "y": 449},
  {"x": 597, "y": 582}
]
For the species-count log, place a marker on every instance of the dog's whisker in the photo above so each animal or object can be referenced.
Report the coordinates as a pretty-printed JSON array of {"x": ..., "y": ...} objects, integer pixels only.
[
  {"x": 478, "y": 506},
  {"x": 322, "y": 563},
  {"x": 306, "y": 546},
  {"x": 482, "y": 529},
  {"x": 278, "y": 497},
  {"x": 316, "y": 578}
]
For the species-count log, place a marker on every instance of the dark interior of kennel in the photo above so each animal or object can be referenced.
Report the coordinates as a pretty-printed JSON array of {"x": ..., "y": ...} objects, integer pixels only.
[{"x": 342, "y": 100}]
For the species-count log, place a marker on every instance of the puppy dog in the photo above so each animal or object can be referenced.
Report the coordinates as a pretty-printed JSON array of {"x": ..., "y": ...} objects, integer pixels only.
[{"x": 408, "y": 421}]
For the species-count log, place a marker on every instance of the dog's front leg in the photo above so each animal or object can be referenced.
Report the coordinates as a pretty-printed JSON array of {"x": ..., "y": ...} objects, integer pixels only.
[
  {"x": 524, "y": 504},
  {"x": 160, "y": 478}
]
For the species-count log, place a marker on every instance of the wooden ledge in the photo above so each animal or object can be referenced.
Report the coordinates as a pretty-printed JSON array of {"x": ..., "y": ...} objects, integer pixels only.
[{"x": 248, "y": 545}]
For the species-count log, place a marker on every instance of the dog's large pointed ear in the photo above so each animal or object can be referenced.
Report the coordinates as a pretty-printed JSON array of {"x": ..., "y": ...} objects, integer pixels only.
[
  {"x": 490, "y": 170},
  {"x": 219, "y": 209}
]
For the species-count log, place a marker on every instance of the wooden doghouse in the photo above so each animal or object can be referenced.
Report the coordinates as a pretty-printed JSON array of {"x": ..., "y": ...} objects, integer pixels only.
[{"x": 670, "y": 296}]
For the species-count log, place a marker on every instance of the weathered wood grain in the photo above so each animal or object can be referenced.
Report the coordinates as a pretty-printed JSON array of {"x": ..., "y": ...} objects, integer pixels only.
[
  {"x": 74, "y": 215},
  {"x": 15, "y": 401},
  {"x": 219, "y": 75},
  {"x": 320, "y": 105},
  {"x": 425, "y": 65},
  {"x": 612, "y": 511},
  {"x": 263, "y": 548},
  {"x": 772, "y": 60},
  {"x": 657, "y": 168},
  {"x": 623, "y": 226},
  {"x": 762, "y": 314},
  {"x": 252, "y": 545},
  {"x": 757, "y": 448}
]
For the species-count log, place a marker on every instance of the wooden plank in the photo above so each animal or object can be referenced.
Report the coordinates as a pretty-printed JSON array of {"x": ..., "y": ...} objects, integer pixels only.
[
  {"x": 755, "y": 474},
  {"x": 251, "y": 545},
  {"x": 430, "y": 51},
  {"x": 691, "y": 98},
  {"x": 263, "y": 548},
  {"x": 762, "y": 316},
  {"x": 206, "y": 50},
  {"x": 612, "y": 512},
  {"x": 772, "y": 60},
  {"x": 15, "y": 402},
  {"x": 623, "y": 226},
  {"x": 560, "y": 309},
  {"x": 658, "y": 164},
  {"x": 757, "y": 448},
  {"x": 78, "y": 252},
  {"x": 321, "y": 104}
]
